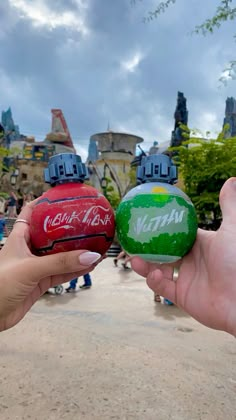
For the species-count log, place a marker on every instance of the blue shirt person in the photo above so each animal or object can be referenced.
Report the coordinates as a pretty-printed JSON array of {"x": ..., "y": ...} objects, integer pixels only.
[{"x": 3, "y": 228}]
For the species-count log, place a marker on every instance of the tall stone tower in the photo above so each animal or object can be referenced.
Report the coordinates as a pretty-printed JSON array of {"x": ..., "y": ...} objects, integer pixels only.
[
  {"x": 181, "y": 117},
  {"x": 230, "y": 117},
  {"x": 113, "y": 153}
]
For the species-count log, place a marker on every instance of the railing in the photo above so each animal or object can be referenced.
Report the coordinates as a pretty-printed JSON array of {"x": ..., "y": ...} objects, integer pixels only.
[
  {"x": 10, "y": 223},
  {"x": 114, "y": 250}
]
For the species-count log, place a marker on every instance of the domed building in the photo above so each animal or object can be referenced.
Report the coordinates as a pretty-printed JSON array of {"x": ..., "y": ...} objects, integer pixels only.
[{"x": 109, "y": 159}]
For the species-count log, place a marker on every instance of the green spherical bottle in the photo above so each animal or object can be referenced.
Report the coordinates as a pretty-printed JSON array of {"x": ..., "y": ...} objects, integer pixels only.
[{"x": 156, "y": 220}]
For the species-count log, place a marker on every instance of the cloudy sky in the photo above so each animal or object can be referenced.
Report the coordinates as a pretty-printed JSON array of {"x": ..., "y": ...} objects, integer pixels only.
[{"x": 99, "y": 62}]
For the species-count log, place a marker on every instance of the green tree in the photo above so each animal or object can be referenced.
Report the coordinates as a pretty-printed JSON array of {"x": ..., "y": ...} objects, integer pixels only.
[
  {"x": 225, "y": 11},
  {"x": 132, "y": 179},
  {"x": 204, "y": 166},
  {"x": 112, "y": 196},
  {"x": 3, "y": 154}
]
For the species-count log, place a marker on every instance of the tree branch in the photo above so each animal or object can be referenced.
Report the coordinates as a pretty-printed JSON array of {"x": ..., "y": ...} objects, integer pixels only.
[{"x": 223, "y": 13}]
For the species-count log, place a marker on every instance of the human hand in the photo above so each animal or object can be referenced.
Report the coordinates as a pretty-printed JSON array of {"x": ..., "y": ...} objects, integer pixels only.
[
  {"x": 25, "y": 277},
  {"x": 206, "y": 285}
]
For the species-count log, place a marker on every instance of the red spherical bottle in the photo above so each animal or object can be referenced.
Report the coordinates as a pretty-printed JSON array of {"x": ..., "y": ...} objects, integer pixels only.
[{"x": 71, "y": 215}]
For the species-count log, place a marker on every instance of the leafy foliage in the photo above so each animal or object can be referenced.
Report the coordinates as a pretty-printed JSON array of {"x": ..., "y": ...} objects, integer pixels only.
[
  {"x": 204, "y": 166},
  {"x": 3, "y": 154},
  {"x": 161, "y": 8},
  {"x": 224, "y": 12},
  {"x": 132, "y": 179},
  {"x": 111, "y": 195},
  {"x": 4, "y": 195}
]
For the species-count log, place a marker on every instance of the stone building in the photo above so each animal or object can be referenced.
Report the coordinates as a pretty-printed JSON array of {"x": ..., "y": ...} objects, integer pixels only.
[
  {"x": 24, "y": 167},
  {"x": 110, "y": 155}
]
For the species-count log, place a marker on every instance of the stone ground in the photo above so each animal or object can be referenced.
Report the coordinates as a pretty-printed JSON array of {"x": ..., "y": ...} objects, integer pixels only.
[{"x": 111, "y": 352}]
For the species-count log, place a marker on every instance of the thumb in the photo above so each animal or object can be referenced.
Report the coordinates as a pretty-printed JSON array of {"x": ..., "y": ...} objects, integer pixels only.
[
  {"x": 228, "y": 202},
  {"x": 61, "y": 263}
]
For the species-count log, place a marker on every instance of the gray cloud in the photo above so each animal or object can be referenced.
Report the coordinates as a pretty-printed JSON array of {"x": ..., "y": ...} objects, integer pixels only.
[{"x": 100, "y": 63}]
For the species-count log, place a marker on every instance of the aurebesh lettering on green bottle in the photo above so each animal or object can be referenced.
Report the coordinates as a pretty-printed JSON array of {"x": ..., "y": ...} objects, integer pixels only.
[{"x": 156, "y": 220}]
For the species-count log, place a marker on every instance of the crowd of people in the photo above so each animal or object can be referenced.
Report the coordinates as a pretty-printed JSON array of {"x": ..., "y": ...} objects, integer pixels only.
[{"x": 205, "y": 286}]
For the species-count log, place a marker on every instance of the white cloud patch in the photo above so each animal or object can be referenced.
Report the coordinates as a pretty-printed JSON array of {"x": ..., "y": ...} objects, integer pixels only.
[
  {"x": 209, "y": 121},
  {"x": 41, "y": 15},
  {"x": 226, "y": 74},
  {"x": 156, "y": 128},
  {"x": 98, "y": 62},
  {"x": 82, "y": 151},
  {"x": 131, "y": 64}
]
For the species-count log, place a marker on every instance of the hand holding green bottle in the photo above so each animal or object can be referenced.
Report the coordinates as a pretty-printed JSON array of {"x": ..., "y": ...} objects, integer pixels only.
[{"x": 156, "y": 220}]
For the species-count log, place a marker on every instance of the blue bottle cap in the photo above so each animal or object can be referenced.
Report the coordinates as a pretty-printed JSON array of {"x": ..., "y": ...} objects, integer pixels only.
[
  {"x": 157, "y": 168},
  {"x": 65, "y": 167}
]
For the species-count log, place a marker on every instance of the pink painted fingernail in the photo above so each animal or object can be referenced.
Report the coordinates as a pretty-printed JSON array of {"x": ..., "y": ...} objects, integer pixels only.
[{"x": 89, "y": 258}]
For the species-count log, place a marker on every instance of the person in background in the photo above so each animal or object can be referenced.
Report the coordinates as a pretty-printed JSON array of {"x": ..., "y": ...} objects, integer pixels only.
[
  {"x": 27, "y": 199},
  {"x": 87, "y": 283},
  {"x": 157, "y": 297},
  {"x": 125, "y": 256},
  {"x": 154, "y": 149},
  {"x": 168, "y": 302},
  {"x": 72, "y": 285},
  {"x": 12, "y": 205},
  {"x": 3, "y": 227}
]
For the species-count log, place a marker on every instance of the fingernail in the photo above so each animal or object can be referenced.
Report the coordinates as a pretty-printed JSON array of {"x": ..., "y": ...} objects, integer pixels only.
[{"x": 88, "y": 258}]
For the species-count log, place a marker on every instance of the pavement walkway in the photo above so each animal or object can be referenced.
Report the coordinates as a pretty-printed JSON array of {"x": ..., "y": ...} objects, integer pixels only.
[{"x": 112, "y": 353}]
